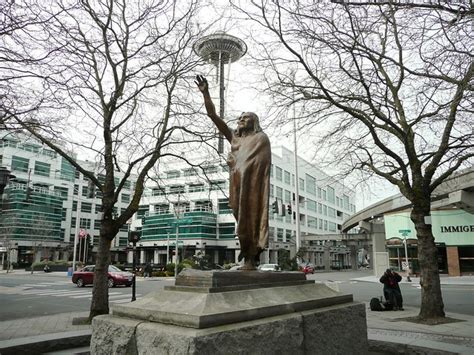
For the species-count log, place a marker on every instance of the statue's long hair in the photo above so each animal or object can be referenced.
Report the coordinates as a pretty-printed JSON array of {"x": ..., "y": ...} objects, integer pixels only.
[{"x": 256, "y": 124}]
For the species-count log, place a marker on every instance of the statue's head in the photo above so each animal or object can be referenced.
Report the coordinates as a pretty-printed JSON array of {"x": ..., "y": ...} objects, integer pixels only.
[{"x": 248, "y": 121}]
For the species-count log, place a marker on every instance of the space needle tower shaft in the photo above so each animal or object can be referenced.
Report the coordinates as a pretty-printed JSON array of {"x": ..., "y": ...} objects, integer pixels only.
[{"x": 220, "y": 49}]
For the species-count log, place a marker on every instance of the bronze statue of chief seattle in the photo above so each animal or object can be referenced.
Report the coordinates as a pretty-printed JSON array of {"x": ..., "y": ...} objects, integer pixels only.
[{"x": 249, "y": 165}]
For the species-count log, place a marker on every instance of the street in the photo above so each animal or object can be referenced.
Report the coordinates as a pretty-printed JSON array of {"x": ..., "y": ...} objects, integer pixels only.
[{"x": 24, "y": 295}]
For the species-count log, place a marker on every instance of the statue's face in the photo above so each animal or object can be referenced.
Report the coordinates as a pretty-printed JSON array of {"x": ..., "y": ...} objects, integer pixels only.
[{"x": 246, "y": 121}]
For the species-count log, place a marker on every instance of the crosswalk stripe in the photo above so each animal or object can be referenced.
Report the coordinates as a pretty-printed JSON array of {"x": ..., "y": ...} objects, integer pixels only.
[
  {"x": 71, "y": 293},
  {"x": 40, "y": 292},
  {"x": 90, "y": 295},
  {"x": 34, "y": 285}
]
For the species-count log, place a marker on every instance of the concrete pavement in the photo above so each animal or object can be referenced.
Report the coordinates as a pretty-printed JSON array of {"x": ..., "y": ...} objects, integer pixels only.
[{"x": 388, "y": 332}]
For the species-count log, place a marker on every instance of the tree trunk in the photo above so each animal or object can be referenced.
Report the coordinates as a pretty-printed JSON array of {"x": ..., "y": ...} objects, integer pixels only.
[
  {"x": 432, "y": 305},
  {"x": 100, "y": 293}
]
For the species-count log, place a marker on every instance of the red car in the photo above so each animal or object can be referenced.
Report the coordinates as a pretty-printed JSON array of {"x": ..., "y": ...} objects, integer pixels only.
[
  {"x": 308, "y": 269},
  {"x": 117, "y": 277}
]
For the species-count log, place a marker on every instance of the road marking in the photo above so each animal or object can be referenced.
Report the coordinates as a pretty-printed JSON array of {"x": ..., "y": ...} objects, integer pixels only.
[
  {"x": 34, "y": 285},
  {"x": 90, "y": 295}
]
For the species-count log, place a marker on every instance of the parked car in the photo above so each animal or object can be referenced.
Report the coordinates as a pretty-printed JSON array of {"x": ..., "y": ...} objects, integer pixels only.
[
  {"x": 116, "y": 277},
  {"x": 308, "y": 269},
  {"x": 269, "y": 267}
]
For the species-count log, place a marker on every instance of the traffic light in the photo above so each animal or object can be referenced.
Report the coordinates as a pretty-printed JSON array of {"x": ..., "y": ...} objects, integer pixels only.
[
  {"x": 134, "y": 236},
  {"x": 289, "y": 209},
  {"x": 275, "y": 207}
]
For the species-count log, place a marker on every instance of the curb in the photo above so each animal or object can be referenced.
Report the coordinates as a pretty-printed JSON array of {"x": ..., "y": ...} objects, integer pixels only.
[{"x": 40, "y": 344}]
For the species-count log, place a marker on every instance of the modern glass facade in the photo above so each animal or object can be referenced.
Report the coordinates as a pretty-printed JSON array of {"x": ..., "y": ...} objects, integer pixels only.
[{"x": 31, "y": 213}]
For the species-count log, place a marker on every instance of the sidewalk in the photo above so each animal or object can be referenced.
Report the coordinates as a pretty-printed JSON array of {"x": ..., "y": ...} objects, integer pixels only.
[{"x": 387, "y": 331}]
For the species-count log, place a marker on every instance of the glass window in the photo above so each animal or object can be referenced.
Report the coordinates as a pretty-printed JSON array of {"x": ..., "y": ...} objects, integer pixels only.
[
  {"x": 158, "y": 191},
  {"x": 320, "y": 194},
  {"x": 279, "y": 193},
  {"x": 287, "y": 196},
  {"x": 271, "y": 170},
  {"x": 177, "y": 189},
  {"x": 225, "y": 167},
  {"x": 311, "y": 205},
  {"x": 288, "y": 235},
  {"x": 173, "y": 174},
  {"x": 331, "y": 212},
  {"x": 301, "y": 184},
  {"x": 142, "y": 210},
  {"x": 346, "y": 201},
  {"x": 218, "y": 185},
  {"x": 325, "y": 210},
  {"x": 280, "y": 234},
  {"x": 210, "y": 169},
  {"x": 224, "y": 206},
  {"x": 310, "y": 184},
  {"x": 331, "y": 195},
  {"x": 287, "y": 177},
  {"x": 272, "y": 194},
  {"x": 320, "y": 208},
  {"x": 125, "y": 198},
  {"x": 196, "y": 188},
  {"x": 42, "y": 169},
  {"x": 312, "y": 222},
  {"x": 86, "y": 207},
  {"x": 279, "y": 173},
  {"x": 20, "y": 164},
  {"x": 190, "y": 172},
  {"x": 62, "y": 191}
]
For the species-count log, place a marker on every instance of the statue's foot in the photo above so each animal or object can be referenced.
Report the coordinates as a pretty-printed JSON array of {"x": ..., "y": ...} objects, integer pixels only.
[{"x": 249, "y": 265}]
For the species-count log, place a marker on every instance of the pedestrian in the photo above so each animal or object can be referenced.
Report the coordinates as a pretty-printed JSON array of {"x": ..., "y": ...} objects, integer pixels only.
[
  {"x": 249, "y": 164},
  {"x": 391, "y": 289},
  {"x": 147, "y": 271}
]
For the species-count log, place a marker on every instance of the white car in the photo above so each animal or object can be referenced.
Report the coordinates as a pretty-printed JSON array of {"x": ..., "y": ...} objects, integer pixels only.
[{"x": 269, "y": 267}]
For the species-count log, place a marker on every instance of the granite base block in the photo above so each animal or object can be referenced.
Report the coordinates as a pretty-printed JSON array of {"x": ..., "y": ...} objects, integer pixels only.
[{"x": 337, "y": 329}]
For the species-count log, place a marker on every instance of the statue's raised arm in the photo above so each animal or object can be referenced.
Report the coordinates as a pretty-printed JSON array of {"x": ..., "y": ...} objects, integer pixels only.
[{"x": 203, "y": 86}]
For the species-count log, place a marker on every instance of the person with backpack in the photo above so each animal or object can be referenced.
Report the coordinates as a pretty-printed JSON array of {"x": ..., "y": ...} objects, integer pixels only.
[{"x": 391, "y": 289}]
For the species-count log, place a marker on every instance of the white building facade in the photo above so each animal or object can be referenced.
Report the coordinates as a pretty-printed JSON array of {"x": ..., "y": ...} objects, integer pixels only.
[{"x": 196, "y": 200}]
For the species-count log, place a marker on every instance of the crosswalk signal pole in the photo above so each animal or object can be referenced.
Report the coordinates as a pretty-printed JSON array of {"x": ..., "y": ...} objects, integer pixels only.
[{"x": 134, "y": 237}]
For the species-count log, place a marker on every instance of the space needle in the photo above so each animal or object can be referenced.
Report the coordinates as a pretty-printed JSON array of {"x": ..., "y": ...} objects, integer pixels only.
[{"x": 220, "y": 49}]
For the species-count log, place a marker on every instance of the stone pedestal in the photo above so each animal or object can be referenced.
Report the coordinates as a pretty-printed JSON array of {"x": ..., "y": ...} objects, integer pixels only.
[{"x": 224, "y": 312}]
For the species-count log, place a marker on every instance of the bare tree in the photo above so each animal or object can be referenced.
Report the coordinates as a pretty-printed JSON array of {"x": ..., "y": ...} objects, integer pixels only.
[
  {"x": 112, "y": 92},
  {"x": 388, "y": 89}
]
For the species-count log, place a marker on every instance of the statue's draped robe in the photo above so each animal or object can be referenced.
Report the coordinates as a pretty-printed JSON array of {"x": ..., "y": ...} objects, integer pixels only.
[{"x": 249, "y": 162}]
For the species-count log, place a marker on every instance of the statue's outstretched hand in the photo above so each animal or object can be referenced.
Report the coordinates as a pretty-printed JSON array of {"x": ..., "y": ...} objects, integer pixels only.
[{"x": 201, "y": 82}]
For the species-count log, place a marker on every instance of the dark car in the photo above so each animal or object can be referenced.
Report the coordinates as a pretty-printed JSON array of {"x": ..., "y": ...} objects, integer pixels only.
[{"x": 116, "y": 276}]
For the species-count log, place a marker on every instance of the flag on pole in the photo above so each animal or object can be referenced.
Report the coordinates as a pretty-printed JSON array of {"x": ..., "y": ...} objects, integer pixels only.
[{"x": 82, "y": 233}]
